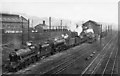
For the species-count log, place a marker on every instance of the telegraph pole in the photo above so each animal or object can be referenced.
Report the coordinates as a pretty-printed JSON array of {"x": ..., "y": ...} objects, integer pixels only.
[
  {"x": 49, "y": 26},
  {"x": 106, "y": 33},
  {"x": 22, "y": 30},
  {"x": 28, "y": 29},
  {"x": 101, "y": 37},
  {"x": 32, "y": 23},
  {"x": 49, "y": 23},
  {"x": 61, "y": 24},
  {"x": 111, "y": 30},
  {"x": 108, "y": 28}
]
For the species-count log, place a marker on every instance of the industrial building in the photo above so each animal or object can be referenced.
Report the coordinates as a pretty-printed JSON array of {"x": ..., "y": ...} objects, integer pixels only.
[{"x": 12, "y": 23}]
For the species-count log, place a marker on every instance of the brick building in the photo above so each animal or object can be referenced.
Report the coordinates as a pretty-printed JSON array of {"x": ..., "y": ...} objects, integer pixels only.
[
  {"x": 43, "y": 27},
  {"x": 92, "y": 25},
  {"x": 14, "y": 29},
  {"x": 12, "y": 23}
]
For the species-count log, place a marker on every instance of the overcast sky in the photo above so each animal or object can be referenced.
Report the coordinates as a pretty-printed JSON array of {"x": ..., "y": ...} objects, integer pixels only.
[{"x": 75, "y": 10}]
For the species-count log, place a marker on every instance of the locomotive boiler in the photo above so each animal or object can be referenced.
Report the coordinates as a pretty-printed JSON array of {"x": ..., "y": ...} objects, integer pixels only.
[{"x": 22, "y": 58}]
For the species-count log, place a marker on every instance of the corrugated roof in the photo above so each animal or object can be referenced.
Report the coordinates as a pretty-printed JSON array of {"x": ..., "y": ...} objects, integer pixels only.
[
  {"x": 12, "y": 18},
  {"x": 8, "y": 14}
]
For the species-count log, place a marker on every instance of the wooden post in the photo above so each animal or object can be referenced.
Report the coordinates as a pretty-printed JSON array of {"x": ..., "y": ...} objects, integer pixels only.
[
  {"x": 49, "y": 23},
  {"x": 50, "y": 26},
  {"x": 61, "y": 24},
  {"x": 111, "y": 30},
  {"x": 22, "y": 30},
  {"x": 101, "y": 38},
  {"x": 108, "y": 28},
  {"x": 28, "y": 29}
]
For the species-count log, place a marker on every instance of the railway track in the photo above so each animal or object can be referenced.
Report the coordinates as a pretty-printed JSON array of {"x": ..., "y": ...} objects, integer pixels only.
[
  {"x": 62, "y": 66},
  {"x": 63, "y": 60},
  {"x": 110, "y": 65},
  {"x": 65, "y": 65},
  {"x": 95, "y": 64},
  {"x": 98, "y": 65},
  {"x": 58, "y": 62},
  {"x": 57, "y": 69}
]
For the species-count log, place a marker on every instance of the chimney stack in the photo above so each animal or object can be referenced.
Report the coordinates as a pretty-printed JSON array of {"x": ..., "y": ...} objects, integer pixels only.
[
  {"x": 49, "y": 22},
  {"x": 43, "y": 22}
]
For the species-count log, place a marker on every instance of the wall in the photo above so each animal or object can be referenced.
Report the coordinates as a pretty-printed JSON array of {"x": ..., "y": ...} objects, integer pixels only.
[{"x": 16, "y": 39}]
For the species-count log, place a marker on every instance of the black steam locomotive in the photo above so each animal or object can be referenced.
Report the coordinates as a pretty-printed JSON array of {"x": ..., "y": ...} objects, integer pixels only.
[
  {"x": 34, "y": 52},
  {"x": 91, "y": 31}
]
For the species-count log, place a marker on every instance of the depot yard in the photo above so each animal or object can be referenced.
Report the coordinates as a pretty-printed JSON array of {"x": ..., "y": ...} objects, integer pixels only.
[
  {"x": 73, "y": 60},
  {"x": 92, "y": 52},
  {"x": 83, "y": 55}
]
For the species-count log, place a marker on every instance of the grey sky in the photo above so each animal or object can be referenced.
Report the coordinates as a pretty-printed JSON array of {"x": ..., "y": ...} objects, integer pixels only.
[{"x": 75, "y": 10}]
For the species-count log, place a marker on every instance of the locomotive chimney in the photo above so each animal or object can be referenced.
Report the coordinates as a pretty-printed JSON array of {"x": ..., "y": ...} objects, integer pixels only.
[{"x": 43, "y": 22}]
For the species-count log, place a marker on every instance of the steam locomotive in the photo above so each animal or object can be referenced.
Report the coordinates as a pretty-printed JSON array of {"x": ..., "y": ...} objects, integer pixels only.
[
  {"x": 34, "y": 52},
  {"x": 91, "y": 31},
  {"x": 89, "y": 36},
  {"x": 21, "y": 58}
]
